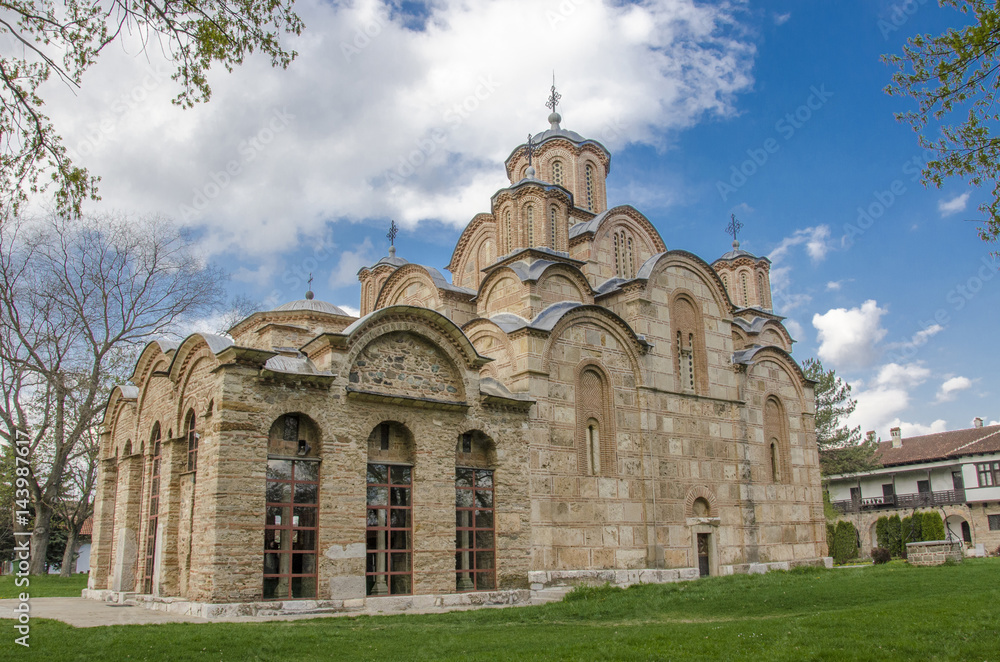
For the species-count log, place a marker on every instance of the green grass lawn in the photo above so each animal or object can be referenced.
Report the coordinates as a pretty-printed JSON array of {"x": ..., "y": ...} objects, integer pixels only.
[
  {"x": 44, "y": 586},
  {"x": 874, "y": 613}
]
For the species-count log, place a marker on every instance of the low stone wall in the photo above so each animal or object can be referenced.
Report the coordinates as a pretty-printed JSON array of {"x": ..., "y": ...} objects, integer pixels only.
[
  {"x": 369, "y": 605},
  {"x": 933, "y": 552},
  {"x": 541, "y": 579}
]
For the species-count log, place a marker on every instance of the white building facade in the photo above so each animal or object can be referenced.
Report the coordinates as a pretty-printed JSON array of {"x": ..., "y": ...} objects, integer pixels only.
[{"x": 956, "y": 473}]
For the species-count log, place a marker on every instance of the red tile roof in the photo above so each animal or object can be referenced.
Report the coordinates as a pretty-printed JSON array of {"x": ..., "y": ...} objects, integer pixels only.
[
  {"x": 87, "y": 528},
  {"x": 941, "y": 446}
]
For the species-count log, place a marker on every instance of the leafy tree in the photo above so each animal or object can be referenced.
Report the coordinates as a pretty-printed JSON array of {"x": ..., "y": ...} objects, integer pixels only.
[
  {"x": 77, "y": 299},
  {"x": 62, "y": 40},
  {"x": 953, "y": 77},
  {"x": 841, "y": 449}
]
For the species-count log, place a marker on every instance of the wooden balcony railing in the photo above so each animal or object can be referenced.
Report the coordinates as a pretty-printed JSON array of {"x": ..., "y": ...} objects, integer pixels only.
[{"x": 916, "y": 500}]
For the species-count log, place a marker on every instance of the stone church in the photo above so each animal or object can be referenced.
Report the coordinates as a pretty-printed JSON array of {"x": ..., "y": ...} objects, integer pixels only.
[{"x": 577, "y": 403}]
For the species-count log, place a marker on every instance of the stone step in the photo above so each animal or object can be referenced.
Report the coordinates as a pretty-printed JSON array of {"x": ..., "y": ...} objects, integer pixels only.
[{"x": 549, "y": 594}]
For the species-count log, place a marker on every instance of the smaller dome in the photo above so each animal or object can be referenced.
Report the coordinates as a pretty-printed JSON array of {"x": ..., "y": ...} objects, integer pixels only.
[
  {"x": 736, "y": 253},
  {"x": 312, "y": 305}
]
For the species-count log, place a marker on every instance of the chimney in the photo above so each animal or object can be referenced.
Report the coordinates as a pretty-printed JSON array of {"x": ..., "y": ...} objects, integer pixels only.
[
  {"x": 897, "y": 438},
  {"x": 977, "y": 422},
  {"x": 870, "y": 436}
]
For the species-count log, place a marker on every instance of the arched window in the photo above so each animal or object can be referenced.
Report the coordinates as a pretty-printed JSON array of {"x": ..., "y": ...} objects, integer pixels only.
[
  {"x": 192, "y": 439},
  {"x": 291, "y": 523},
  {"x": 593, "y": 447},
  {"x": 389, "y": 521},
  {"x": 557, "y": 172},
  {"x": 506, "y": 219},
  {"x": 773, "y": 453},
  {"x": 761, "y": 292},
  {"x": 624, "y": 260},
  {"x": 725, "y": 282},
  {"x": 746, "y": 290},
  {"x": 153, "y": 510},
  {"x": 691, "y": 364},
  {"x": 776, "y": 432},
  {"x": 590, "y": 187},
  {"x": 618, "y": 255},
  {"x": 529, "y": 213},
  {"x": 553, "y": 215},
  {"x": 475, "y": 535},
  {"x": 594, "y": 415},
  {"x": 685, "y": 352}
]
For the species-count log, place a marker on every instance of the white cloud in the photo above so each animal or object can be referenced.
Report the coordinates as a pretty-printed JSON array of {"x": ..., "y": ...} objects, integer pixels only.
[
  {"x": 848, "y": 337},
  {"x": 816, "y": 240},
  {"x": 834, "y": 285},
  {"x": 918, "y": 429},
  {"x": 994, "y": 423},
  {"x": 887, "y": 395},
  {"x": 950, "y": 389},
  {"x": 954, "y": 205},
  {"x": 216, "y": 323},
  {"x": 876, "y": 407},
  {"x": 921, "y": 337},
  {"x": 894, "y": 375},
  {"x": 795, "y": 329},
  {"x": 350, "y": 310},
  {"x": 346, "y": 272},
  {"x": 278, "y": 154},
  {"x": 781, "y": 19}
]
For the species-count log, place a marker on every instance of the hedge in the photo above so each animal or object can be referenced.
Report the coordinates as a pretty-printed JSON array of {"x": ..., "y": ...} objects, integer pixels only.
[{"x": 845, "y": 542}]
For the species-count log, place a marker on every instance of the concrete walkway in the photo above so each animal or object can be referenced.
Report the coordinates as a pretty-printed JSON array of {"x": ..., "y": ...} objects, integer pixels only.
[{"x": 82, "y": 613}]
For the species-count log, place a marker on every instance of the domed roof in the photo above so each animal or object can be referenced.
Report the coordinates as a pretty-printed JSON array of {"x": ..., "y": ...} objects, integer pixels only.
[
  {"x": 391, "y": 260},
  {"x": 312, "y": 305},
  {"x": 739, "y": 252}
]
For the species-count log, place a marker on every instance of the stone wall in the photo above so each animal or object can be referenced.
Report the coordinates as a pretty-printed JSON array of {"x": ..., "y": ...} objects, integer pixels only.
[
  {"x": 933, "y": 552},
  {"x": 406, "y": 364}
]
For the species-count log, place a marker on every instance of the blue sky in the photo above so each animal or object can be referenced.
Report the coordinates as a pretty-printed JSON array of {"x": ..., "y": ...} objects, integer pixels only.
[{"x": 900, "y": 300}]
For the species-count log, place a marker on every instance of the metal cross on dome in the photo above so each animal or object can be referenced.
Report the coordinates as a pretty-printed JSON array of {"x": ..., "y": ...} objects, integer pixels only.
[
  {"x": 734, "y": 226},
  {"x": 391, "y": 234},
  {"x": 554, "y": 97},
  {"x": 531, "y": 147}
]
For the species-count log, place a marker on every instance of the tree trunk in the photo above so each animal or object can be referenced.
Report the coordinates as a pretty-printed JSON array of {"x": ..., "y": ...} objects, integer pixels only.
[
  {"x": 69, "y": 555},
  {"x": 40, "y": 538}
]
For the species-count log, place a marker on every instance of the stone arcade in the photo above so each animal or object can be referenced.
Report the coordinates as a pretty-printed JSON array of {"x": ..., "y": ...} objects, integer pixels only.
[{"x": 579, "y": 403}]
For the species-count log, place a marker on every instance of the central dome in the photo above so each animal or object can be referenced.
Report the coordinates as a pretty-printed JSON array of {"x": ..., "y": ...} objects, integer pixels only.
[{"x": 312, "y": 305}]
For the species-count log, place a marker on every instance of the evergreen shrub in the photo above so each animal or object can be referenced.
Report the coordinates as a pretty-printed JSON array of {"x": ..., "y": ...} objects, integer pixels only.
[
  {"x": 933, "y": 526},
  {"x": 895, "y": 536},
  {"x": 880, "y": 555},
  {"x": 845, "y": 542}
]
